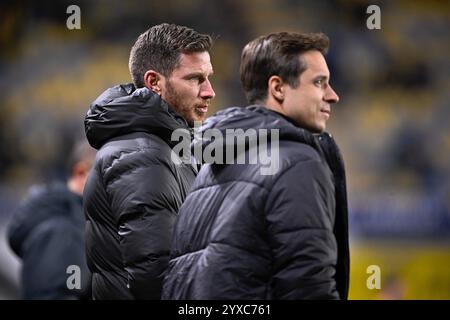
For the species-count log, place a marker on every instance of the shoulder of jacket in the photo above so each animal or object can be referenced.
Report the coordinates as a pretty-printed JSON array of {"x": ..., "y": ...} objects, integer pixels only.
[
  {"x": 292, "y": 152},
  {"x": 133, "y": 149}
]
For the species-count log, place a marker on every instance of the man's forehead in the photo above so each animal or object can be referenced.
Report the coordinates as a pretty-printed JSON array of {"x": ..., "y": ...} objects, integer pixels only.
[
  {"x": 199, "y": 61},
  {"x": 315, "y": 63}
]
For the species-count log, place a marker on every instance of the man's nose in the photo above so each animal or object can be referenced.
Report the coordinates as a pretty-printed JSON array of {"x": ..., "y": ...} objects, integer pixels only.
[
  {"x": 331, "y": 96},
  {"x": 207, "y": 91}
]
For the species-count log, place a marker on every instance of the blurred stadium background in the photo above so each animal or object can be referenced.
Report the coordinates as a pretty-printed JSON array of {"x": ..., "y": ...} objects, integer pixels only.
[{"x": 392, "y": 121}]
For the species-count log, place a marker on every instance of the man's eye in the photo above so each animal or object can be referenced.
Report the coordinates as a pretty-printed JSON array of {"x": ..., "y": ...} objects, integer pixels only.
[
  {"x": 196, "y": 79},
  {"x": 318, "y": 82}
]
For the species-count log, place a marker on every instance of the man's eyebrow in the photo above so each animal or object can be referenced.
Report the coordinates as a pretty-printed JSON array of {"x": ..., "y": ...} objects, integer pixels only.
[
  {"x": 321, "y": 77},
  {"x": 197, "y": 74}
]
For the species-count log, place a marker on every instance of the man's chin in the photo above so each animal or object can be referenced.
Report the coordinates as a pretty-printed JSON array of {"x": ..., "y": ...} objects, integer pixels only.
[{"x": 198, "y": 118}]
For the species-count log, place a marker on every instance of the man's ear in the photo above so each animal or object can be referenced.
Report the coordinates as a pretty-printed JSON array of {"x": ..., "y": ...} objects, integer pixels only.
[
  {"x": 152, "y": 80},
  {"x": 276, "y": 88}
]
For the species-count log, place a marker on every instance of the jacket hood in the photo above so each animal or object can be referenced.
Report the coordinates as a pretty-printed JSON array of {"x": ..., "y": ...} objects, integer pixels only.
[
  {"x": 124, "y": 109},
  {"x": 252, "y": 117}
]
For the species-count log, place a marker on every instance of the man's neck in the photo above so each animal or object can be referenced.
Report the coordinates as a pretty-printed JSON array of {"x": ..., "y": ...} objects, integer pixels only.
[{"x": 276, "y": 107}]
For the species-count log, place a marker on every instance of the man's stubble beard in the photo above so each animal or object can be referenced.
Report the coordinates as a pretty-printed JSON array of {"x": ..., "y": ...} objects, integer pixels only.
[{"x": 175, "y": 101}]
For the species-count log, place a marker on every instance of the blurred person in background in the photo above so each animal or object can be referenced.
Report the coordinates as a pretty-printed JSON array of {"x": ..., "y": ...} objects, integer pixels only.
[
  {"x": 47, "y": 233},
  {"x": 135, "y": 190},
  {"x": 244, "y": 235}
]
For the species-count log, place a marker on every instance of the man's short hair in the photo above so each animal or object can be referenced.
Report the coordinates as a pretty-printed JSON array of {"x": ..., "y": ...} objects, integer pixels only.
[
  {"x": 276, "y": 54},
  {"x": 159, "y": 48},
  {"x": 81, "y": 151}
]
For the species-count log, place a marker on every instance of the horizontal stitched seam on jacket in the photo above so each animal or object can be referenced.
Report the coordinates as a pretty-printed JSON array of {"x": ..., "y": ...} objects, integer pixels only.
[
  {"x": 292, "y": 165},
  {"x": 251, "y": 182},
  {"x": 213, "y": 243},
  {"x": 252, "y": 252},
  {"x": 284, "y": 172},
  {"x": 302, "y": 228},
  {"x": 226, "y": 182}
]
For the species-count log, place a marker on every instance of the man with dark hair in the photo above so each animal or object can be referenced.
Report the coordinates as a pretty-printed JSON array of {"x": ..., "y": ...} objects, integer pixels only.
[
  {"x": 135, "y": 189},
  {"x": 242, "y": 234},
  {"x": 47, "y": 233}
]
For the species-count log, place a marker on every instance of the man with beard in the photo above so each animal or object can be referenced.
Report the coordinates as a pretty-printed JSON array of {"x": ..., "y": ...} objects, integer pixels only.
[
  {"x": 135, "y": 190},
  {"x": 245, "y": 235}
]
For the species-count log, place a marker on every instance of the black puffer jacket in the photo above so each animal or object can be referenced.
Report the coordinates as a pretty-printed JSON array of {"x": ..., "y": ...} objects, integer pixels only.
[
  {"x": 244, "y": 235},
  {"x": 133, "y": 192},
  {"x": 47, "y": 233}
]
